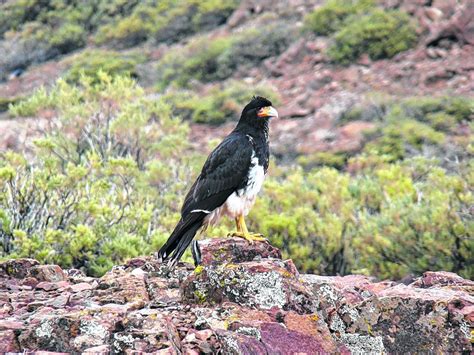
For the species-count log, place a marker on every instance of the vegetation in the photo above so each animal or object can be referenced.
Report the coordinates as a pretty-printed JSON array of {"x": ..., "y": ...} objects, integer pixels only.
[
  {"x": 388, "y": 221},
  {"x": 217, "y": 59},
  {"x": 107, "y": 180},
  {"x": 222, "y": 103},
  {"x": 38, "y": 30},
  {"x": 165, "y": 21},
  {"x": 358, "y": 27},
  {"x": 415, "y": 126},
  {"x": 92, "y": 62},
  {"x": 380, "y": 34},
  {"x": 330, "y": 17}
]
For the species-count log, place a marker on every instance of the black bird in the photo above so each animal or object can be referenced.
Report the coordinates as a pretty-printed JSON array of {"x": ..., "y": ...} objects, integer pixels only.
[{"x": 229, "y": 181}]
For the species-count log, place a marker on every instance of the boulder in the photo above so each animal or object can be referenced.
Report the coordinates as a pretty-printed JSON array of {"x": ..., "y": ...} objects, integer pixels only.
[
  {"x": 17, "y": 268},
  {"x": 48, "y": 273}
]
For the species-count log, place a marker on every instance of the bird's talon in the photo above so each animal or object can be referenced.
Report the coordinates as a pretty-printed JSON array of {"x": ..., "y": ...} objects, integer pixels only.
[{"x": 250, "y": 237}]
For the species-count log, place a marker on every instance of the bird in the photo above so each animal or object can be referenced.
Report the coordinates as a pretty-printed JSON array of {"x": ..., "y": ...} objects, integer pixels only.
[{"x": 229, "y": 182}]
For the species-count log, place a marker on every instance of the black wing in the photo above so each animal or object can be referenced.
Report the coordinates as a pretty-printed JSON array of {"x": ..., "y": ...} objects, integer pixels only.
[{"x": 224, "y": 172}]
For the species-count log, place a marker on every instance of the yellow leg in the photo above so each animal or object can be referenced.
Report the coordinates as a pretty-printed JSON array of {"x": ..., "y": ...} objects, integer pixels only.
[{"x": 243, "y": 232}]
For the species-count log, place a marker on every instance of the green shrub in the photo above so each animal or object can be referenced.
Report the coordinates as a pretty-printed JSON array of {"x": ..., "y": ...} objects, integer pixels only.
[
  {"x": 102, "y": 185},
  {"x": 408, "y": 127},
  {"x": 380, "y": 34},
  {"x": 14, "y": 13},
  {"x": 179, "y": 67},
  {"x": 388, "y": 222},
  {"x": 91, "y": 62},
  {"x": 403, "y": 138},
  {"x": 222, "y": 103},
  {"x": 329, "y": 17},
  {"x": 167, "y": 21},
  {"x": 6, "y": 102},
  {"x": 207, "y": 59},
  {"x": 335, "y": 160},
  {"x": 253, "y": 46},
  {"x": 458, "y": 107}
]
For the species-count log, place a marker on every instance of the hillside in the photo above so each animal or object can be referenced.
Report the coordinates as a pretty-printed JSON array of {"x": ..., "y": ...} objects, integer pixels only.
[
  {"x": 274, "y": 54},
  {"x": 108, "y": 109}
]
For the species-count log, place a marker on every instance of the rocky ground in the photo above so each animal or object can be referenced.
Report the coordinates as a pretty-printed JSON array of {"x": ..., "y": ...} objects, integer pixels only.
[{"x": 243, "y": 299}]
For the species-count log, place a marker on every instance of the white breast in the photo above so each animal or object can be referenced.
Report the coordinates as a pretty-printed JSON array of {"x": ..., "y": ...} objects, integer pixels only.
[{"x": 241, "y": 201}]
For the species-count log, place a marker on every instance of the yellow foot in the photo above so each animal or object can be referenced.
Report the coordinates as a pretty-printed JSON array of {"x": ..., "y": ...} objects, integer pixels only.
[{"x": 251, "y": 237}]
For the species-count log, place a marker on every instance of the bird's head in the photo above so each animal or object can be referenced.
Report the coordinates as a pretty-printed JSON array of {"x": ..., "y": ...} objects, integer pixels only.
[{"x": 258, "y": 112}]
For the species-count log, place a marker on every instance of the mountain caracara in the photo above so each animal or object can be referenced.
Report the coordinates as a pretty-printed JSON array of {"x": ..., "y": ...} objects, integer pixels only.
[{"x": 229, "y": 181}]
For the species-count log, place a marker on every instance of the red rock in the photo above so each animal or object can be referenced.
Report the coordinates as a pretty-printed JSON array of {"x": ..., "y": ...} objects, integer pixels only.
[
  {"x": 82, "y": 286},
  {"x": 441, "y": 278},
  {"x": 17, "y": 268},
  {"x": 8, "y": 342},
  {"x": 47, "y": 286},
  {"x": 255, "y": 304},
  {"x": 278, "y": 339},
  {"x": 120, "y": 287},
  {"x": 49, "y": 273},
  {"x": 29, "y": 281},
  {"x": 314, "y": 327},
  {"x": 234, "y": 250},
  {"x": 6, "y": 324},
  {"x": 97, "y": 350}
]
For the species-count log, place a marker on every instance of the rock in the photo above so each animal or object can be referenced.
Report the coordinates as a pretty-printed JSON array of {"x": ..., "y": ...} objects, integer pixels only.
[
  {"x": 441, "y": 279},
  {"x": 48, "y": 273},
  {"x": 8, "y": 342},
  {"x": 82, "y": 286},
  {"x": 70, "y": 332},
  {"x": 396, "y": 318},
  {"x": 274, "y": 338},
  {"x": 257, "y": 284},
  {"x": 18, "y": 268},
  {"x": 10, "y": 325},
  {"x": 146, "y": 332},
  {"x": 414, "y": 320},
  {"x": 243, "y": 299},
  {"x": 460, "y": 26},
  {"x": 97, "y": 350},
  {"x": 234, "y": 250},
  {"x": 118, "y": 286}
]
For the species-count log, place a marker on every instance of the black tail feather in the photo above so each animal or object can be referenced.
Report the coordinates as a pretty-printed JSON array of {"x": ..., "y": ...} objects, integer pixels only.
[{"x": 180, "y": 239}]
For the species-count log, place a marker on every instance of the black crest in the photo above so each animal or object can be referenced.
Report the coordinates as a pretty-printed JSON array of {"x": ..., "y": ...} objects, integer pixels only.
[{"x": 257, "y": 102}]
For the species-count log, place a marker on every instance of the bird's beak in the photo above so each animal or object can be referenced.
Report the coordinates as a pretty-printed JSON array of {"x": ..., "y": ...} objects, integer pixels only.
[{"x": 268, "y": 111}]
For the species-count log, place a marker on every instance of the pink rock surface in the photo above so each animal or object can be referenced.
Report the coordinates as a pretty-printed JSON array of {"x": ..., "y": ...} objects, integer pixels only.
[{"x": 243, "y": 299}]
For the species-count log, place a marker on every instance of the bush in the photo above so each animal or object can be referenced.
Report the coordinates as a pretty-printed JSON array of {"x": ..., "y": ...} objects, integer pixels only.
[
  {"x": 167, "y": 21},
  {"x": 38, "y": 30},
  {"x": 403, "y": 139},
  {"x": 91, "y": 62},
  {"x": 380, "y": 34},
  {"x": 222, "y": 103},
  {"x": 413, "y": 126},
  {"x": 330, "y": 17},
  {"x": 104, "y": 181},
  {"x": 335, "y": 160},
  {"x": 179, "y": 67},
  {"x": 14, "y": 13},
  {"x": 253, "y": 46},
  {"x": 389, "y": 222},
  {"x": 207, "y": 59}
]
